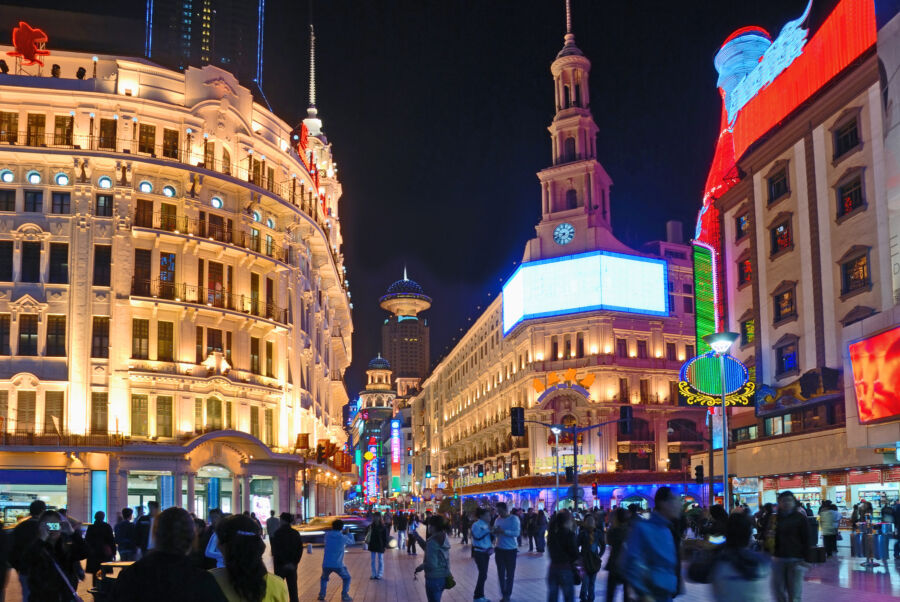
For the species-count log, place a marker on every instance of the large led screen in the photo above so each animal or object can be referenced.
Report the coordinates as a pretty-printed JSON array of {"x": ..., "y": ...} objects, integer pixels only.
[
  {"x": 585, "y": 282},
  {"x": 876, "y": 375}
]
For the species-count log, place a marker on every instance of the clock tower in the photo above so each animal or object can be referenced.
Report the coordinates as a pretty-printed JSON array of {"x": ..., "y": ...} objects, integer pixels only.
[{"x": 575, "y": 215}]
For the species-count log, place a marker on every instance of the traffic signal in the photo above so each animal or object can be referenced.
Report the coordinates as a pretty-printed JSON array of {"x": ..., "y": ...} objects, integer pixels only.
[
  {"x": 480, "y": 469},
  {"x": 517, "y": 419},
  {"x": 625, "y": 414},
  {"x": 594, "y": 489},
  {"x": 428, "y": 471},
  {"x": 570, "y": 474},
  {"x": 320, "y": 453},
  {"x": 698, "y": 474}
]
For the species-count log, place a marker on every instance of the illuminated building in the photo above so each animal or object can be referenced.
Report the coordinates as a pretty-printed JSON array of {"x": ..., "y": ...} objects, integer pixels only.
[
  {"x": 174, "y": 320},
  {"x": 405, "y": 334},
  {"x": 798, "y": 214},
  {"x": 582, "y": 306}
]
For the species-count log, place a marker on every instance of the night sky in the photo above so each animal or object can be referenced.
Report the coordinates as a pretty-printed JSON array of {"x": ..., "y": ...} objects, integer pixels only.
[{"x": 438, "y": 109}]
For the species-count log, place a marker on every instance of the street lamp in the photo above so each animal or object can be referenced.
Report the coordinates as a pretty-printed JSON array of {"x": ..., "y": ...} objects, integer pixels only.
[
  {"x": 555, "y": 431},
  {"x": 721, "y": 342}
]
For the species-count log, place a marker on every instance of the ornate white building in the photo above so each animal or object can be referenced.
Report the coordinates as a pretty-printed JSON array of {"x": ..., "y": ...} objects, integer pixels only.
[{"x": 174, "y": 315}]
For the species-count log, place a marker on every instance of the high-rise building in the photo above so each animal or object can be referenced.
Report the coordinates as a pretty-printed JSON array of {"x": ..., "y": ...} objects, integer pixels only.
[{"x": 405, "y": 334}]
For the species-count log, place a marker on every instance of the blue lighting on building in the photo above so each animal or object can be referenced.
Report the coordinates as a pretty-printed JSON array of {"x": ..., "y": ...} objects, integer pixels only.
[{"x": 585, "y": 282}]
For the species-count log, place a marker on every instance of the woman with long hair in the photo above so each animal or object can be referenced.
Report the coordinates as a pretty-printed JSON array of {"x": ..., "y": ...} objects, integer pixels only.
[
  {"x": 437, "y": 559},
  {"x": 244, "y": 577},
  {"x": 563, "y": 549},
  {"x": 376, "y": 542},
  {"x": 615, "y": 537}
]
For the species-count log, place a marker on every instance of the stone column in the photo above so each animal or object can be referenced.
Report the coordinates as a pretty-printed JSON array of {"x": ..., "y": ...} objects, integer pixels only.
[
  {"x": 236, "y": 495},
  {"x": 245, "y": 492},
  {"x": 661, "y": 438},
  {"x": 176, "y": 485},
  {"x": 191, "y": 491}
]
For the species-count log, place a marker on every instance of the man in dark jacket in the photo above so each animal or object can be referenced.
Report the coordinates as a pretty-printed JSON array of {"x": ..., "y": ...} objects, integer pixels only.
[
  {"x": 166, "y": 573},
  {"x": 144, "y": 527},
  {"x": 792, "y": 540},
  {"x": 23, "y": 536},
  {"x": 897, "y": 528},
  {"x": 126, "y": 536},
  {"x": 100, "y": 544},
  {"x": 287, "y": 550}
]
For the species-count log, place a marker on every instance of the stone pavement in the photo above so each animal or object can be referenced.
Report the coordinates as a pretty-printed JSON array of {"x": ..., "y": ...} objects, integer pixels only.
[{"x": 839, "y": 580}]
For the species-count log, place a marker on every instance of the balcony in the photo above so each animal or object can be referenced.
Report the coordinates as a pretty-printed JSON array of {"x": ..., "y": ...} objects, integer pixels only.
[
  {"x": 205, "y": 229},
  {"x": 22, "y": 437},
  {"x": 180, "y": 292}
]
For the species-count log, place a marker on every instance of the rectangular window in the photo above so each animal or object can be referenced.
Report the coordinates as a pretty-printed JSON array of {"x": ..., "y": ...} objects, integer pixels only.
[
  {"x": 855, "y": 274},
  {"x": 63, "y": 126},
  {"x": 254, "y": 421},
  {"x": 784, "y": 305},
  {"x": 7, "y": 199},
  {"x": 56, "y": 336},
  {"x": 642, "y": 350},
  {"x": 850, "y": 196},
  {"x": 102, "y": 265},
  {"x": 53, "y": 412},
  {"x": 168, "y": 217},
  {"x": 167, "y": 283},
  {"x": 140, "y": 339},
  {"x": 214, "y": 414},
  {"x": 623, "y": 389},
  {"x": 142, "y": 272},
  {"x": 143, "y": 216},
  {"x": 846, "y": 138},
  {"x": 170, "y": 143},
  {"x": 26, "y": 411},
  {"x": 103, "y": 205},
  {"x": 199, "y": 345},
  {"x": 688, "y": 305},
  {"x": 9, "y": 127},
  {"x": 4, "y": 335},
  {"x": 100, "y": 337},
  {"x": 34, "y": 201},
  {"x": 4, "y": 409},
  {"x": 745, "y": 272},
  {"x": 37, "y": 127},
  {"x": 781, "y": 237},
  {"x": 579, "y": 344},
  {"x": 671, "y": 352},
  {"x": 163, "y": 416},
  {"x": 213, "y": 341},
  {"x": 228, "y": 420},
  {"x": 165, "y": 344},
  {"x": 31, "y": 262},
  {"x": 99, "y": 412},
  {"x": 254, "y": 355},
  {"x": 146, "y": 138},
  {"x": 6, "y": 260},
  {"x": 269, "y": 431},
  {"x": 645, "y": 390},
  {"x": 139, "y": 414},
  {"x": 61, "y": 203},
  {"x": 107, "y": 139},
  {"x": 689, "y": 351},
  {"x": 748, "y": 331},
  {"x": 786, "y": 358},
  {"x": 28, "y": 335},
  {"x": 59, "y": 263},
  {"x": 270, "y": 357},
  {"x": 778, "y": 185},
  {"x": 198, "y": 414},
  {"x": 622, "y": 347},
  {"x": 209, "y": 154},
  {"x": 228, "y": 347},
  {"x": 741, "y": 226}
]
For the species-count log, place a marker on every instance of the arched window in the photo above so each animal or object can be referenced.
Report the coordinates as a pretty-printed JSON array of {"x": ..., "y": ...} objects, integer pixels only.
[
  {"x": 577, "y": 100},
  {"x": 570, "y": 149},
  {"x": 566, "y": 99},
  {"x": 226, "y": 161},
  {"x": 571, "y": 198}
]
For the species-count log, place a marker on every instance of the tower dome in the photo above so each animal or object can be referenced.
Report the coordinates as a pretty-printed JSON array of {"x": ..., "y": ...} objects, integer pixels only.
[
  {"x": 379, "y": 363},
  {"x": 405, "y": 297}
]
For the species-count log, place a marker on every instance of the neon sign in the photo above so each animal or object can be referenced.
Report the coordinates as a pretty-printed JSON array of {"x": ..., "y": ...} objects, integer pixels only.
[
  {"x": 28, "y": 43},
  {"x": 706, "y": 294},
  {"x": 702, "y": 383},
  {"x": 395, "y": 442}
]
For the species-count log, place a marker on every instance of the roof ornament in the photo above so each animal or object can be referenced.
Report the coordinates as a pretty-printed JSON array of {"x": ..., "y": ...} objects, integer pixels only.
[
  {"x": 404, "y": 273},
  {"x": 568, "y": 16}
]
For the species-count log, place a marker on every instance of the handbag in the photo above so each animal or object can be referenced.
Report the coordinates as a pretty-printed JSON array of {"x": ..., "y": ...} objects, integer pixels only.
[
  {"x": 839, "y": 537},
  {"x": 449, "y": 581},
  {"x": 577, "y": 572}
]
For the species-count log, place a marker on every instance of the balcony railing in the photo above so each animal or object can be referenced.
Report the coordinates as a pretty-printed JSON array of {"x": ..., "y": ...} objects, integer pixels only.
[
  {"x": 25, "y": 437},
  {"x": 238, "y": 237},
  {"x": 210, "y": 297}
]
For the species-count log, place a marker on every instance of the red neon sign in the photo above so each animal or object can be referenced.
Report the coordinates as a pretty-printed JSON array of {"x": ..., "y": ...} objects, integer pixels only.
[
  {"x": 29, "y": 44},
  {"x": 876, "y": 376}
]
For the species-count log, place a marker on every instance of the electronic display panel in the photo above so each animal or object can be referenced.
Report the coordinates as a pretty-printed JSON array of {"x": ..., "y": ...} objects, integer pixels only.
[
  {"x": 876, "y": 376},
  {"x": 585, "y": 282}
]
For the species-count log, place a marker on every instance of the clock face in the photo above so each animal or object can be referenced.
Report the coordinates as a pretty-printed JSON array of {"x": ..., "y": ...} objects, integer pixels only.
[{"x": 563, "y": 234}]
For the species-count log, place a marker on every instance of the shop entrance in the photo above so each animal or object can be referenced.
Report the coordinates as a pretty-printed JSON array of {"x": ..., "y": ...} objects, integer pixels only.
[
  {"x": 213, "y": 488},
  {"x": 18, "y": 488}
]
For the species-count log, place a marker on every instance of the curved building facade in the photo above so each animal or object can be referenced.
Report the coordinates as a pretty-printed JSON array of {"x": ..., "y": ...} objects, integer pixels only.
[{"x": 174, "y": 319}]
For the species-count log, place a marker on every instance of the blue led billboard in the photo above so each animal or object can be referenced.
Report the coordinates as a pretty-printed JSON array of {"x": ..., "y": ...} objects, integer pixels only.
[{"x": 585, "y": 282}]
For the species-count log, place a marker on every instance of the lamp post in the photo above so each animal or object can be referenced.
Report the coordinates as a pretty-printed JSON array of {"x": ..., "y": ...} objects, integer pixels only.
[
  {"x": 721, "y": 342},
  {"x": 555, "y": 431}
]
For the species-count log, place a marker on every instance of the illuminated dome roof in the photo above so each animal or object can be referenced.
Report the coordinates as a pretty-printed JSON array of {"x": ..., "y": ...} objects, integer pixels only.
[
  {"x": 405, "y": 287},
  {"x": 405, "y": 297},
  {"x": 379, "y": 363}
]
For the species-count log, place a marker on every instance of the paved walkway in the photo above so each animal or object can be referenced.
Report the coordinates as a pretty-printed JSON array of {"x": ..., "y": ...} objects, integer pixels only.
[{"x": 839, "y": 580}]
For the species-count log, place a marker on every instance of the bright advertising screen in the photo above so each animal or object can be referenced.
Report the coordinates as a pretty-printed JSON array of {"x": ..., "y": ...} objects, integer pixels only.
[
  {"x": 585, "y": 282},
  {"x": 876, "y": 375}
]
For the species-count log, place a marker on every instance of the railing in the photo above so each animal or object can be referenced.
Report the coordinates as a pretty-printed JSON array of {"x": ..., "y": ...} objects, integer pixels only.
[
  {"x": 210, "y": 297},
  {"x": 180, "y": 224},
  {"x": 23, "y": 437}
]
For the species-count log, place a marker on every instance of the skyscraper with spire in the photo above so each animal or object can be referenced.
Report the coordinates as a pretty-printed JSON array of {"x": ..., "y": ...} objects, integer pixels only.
[{"x": 405, "y": 335}]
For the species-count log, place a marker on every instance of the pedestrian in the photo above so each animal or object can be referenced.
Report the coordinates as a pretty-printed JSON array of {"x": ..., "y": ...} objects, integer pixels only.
[
  {"x": 829, "y": 521},
  {"x": 126, "y": 537},
  {"x": 651, "y": 562},
  {"x": 101, "y": 546},
  {"x": 287, "y": 550},
  {"x": 336, "y": 542},
  {"x": 737, "y": 573},
  {"x": 792, "y": 540},
  {"x": 256, "y": 520},
  {"x": 402, "y": 523},
  {"x": 53, "y": 560},
  {"x": 528, "y": 527},
  {"x": 464, "y": 526},
  {"x": 5, "y": 544},
  {"x": 506, "y": 529},
  {"x": 144, "y": 527},
  {"x": 411, "y": 532},
  {"x": 437, "y": 558},
  {"x": 376, "y": 543},
  {"x": 591, "y": 546},
  {"x": 212, "y": 551},
  {"x": 897, "y": 528},
  {"x": 808, "y": 509},
  {"x": 24, "y": 534},
  {"x": 615, "y": 537},
  {"x": 166, "y": 573},
  {"x": 273, "y": 523},
  {"x": 244, "y": 577},
  {"x": 482, "y": 549},
  {"x": 563, "y": 548},
  {"x": 540, "y": 529}
]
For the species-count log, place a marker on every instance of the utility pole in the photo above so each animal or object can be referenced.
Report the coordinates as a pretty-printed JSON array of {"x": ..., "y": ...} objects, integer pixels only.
[{"x": 712, "y": 495}]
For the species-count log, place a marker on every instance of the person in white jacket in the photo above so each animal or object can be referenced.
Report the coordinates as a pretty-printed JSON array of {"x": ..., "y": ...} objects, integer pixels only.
[{"x": 829, "y": 521}]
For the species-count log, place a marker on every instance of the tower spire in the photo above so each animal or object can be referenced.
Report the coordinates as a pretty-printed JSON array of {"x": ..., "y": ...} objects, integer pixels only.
[
  {"x": 312, "y": 63},
  {"x": 404, "y": 272},
  {"x": 568, "y": 16}
]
